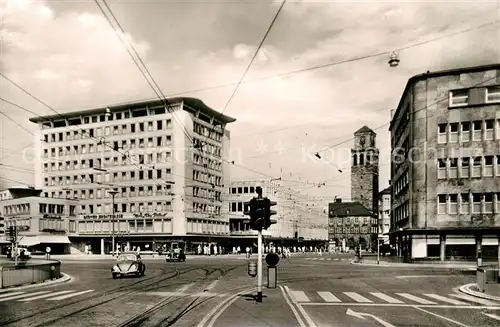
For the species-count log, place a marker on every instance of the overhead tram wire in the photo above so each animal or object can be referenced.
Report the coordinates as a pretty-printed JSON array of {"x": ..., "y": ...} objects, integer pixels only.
[{"x": 252, "y": 60}]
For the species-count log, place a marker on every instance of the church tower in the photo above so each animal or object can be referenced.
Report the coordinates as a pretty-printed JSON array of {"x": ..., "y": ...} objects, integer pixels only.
[{"x": 365, "y": 169}]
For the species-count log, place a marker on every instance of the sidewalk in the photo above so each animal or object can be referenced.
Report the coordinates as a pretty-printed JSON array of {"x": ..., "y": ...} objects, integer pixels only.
[
  {"x": 244, "y": 311},
  {"x": 85, "y": 257},
  {"x": 439, "y": 264}
]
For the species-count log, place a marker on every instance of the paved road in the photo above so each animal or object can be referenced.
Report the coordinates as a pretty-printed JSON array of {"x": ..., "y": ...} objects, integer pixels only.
[{"x": 311, "y": 293}]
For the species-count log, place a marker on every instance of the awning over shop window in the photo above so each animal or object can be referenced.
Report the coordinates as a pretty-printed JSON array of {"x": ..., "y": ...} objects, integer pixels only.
[{"x": 44, "y": 239}]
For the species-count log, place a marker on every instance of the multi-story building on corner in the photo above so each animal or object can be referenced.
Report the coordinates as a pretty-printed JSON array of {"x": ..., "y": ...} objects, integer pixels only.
[
  {"x": 168, "y": 163},
  {"x": 445, "y": 172},
  {"x": 384, "y": 215},
  {"x": 298, "y": 221},
  {"x": 48, "y": 219}
]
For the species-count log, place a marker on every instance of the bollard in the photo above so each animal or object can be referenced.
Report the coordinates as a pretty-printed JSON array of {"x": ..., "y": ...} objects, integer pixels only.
[
  {"x": 272, "y": 277},
  {"x": 479, "y": 259}
]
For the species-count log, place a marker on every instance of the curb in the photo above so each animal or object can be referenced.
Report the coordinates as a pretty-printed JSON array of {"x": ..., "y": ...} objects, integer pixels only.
[
  {"x": 466, "y": 289},
  {"x": 63, "y": 279},
  {"x": 407, "y": 265}
]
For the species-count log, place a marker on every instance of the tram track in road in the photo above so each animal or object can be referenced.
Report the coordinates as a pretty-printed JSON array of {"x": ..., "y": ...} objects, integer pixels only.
[
  {"x": 114, "y": 293},
  {"x": 146, "y": 317}
]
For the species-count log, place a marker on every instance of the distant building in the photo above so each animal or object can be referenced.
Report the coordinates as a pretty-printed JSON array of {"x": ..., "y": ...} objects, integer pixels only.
[
  {"x": 351, "y": 224},
  {"x": 445, "y": 170},
  {"x": 365, "y": 169},
  {"x": 169, "y": 165},
  {"x": 384, "y": 215},
  {"x": 48, "y": 219},
  {"x": 298, "y": 220}
]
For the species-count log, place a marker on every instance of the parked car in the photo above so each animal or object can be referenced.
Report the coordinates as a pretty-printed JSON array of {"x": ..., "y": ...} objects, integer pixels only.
[{"x": 127, "y": 264}]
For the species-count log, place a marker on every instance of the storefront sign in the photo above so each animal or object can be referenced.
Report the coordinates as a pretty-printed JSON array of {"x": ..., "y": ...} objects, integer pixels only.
[
  {"x": 150, "y": 215},
  {"x": 107, "y": 216}
]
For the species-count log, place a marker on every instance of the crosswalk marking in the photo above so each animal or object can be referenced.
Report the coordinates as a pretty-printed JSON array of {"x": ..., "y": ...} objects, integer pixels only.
[
  {"x": 415, "y": 298},
  {"x": 473, "y": 299},
  {"x": 328, "y": 297},
  {"x": 10, "y": 294},
  {"x": 43, "y": 296},
  {"x": 20, "y": 296},
  {"x": 445, "y": 299},
  {"x": 357, "y": 297},
  {"x": 300, "y": 296},
  {"x": 386, "y": 298},
  {"x": 67, "y": 296}
]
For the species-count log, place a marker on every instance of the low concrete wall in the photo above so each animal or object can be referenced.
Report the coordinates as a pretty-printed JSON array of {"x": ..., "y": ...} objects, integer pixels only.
[{"x": 29, "y": 272}]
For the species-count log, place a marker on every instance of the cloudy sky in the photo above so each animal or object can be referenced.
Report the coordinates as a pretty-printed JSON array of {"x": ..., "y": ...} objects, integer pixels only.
[{"x": 66, "y": 54}]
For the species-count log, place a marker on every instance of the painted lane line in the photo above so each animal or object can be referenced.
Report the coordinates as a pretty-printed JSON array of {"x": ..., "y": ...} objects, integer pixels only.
[
  {"x": 299, "y": 296},
  {"x": 308, "y": 319},
  {"x": 10, "y": 294},
  {"x": 474, "y": 299},
  {"x": 21, "y": 296},
  {"x": 292, "y": 307},
  {"x": 43, "y": 296},
  {"x": 328, "y": 297},
  {"x": 64, "y": 297},
  {"x": 445, "y": 299},
  {"x": 357, "y": 297},
  {"x": 442, "y": 317},
  {"x": 491, "y": 315},
  {"x": 415, "y": 298},
  {"x": 438, "y": 306},
  {"x": 212, "y": 285},
  {"x": 386, "y": 298}
]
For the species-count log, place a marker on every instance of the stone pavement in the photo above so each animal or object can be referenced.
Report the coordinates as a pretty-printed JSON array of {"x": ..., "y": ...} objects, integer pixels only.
[{"x": 438, "y": 264}]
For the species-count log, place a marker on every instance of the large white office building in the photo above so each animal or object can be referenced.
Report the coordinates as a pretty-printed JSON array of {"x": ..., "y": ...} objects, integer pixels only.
[{"x": 168, "y": 162}]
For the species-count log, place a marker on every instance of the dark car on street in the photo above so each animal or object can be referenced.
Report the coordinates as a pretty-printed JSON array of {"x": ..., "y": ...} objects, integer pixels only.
[{"x": 128, "y": 264}]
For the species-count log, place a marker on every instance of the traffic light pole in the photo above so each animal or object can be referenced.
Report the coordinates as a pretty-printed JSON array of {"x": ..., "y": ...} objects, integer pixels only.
[{"x": 259, "y": 266}]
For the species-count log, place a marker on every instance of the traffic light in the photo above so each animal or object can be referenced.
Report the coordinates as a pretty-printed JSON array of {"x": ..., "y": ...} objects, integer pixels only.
[
  {"x": 269, "y": 213},
  {"x": 2, "y": 225},
  {"x": 257, "y": 213},
  {"x": 11, "y": 233}
]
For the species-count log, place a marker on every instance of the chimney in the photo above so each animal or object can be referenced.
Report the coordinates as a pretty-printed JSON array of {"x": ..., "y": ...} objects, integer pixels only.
[{"x": 338, "y": 200}]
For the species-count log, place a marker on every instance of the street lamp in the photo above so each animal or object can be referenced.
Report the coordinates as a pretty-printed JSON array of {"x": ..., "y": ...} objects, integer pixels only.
[{"x": 113, "y": 192}]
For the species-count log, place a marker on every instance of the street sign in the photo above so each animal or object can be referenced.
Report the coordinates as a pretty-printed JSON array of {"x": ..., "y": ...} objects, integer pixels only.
[
  {"x": 272, "y": 259},
  {"x": 47, "y": 249}
]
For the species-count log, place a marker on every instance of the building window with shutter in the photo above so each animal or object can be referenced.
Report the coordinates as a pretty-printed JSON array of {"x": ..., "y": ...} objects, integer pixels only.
[
  {"x": 441, "y": 204},
  {"x": 488, "y": 166},
  {"x": 476, "y": 203},
  {"x": 453, "y": 204},
  {"x": 465, "y": 203},
  {"x": 477, "y": 131},
  {"x": 454, "y": 133},
  {"x": 453, "y": 168},
  {"x": 464, "y": 172},
  {"x": 459, "y": 98},
  {"x": 441, "y": 168},
  {"x": 489, "y": 129},
  {"x": 442, "y": 138},
  {"x": 476, "y": 167},
  {"x": 493, "y": 94},
  {"x": 498, "y": 129},
  {"x": 488, "y": 203}
]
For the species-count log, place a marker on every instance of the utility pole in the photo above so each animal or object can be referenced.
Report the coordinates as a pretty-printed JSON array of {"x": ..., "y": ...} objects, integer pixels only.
[
  {"x": 113, "y": 192},
  {"x": 259, "y": 255},
  {"x": 378, "y": 241}
]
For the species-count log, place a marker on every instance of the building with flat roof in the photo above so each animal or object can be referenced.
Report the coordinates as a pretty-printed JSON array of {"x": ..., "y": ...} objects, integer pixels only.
[
  {"x": 445, "y": 172},
  {"x": 384, "y": 215},
  {"x": 49, "y": 219},
  {"x": 166, "y": 160},
  {"x": 298, "y": 219}
]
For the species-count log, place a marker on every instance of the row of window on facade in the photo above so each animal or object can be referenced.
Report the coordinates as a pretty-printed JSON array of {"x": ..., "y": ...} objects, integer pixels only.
[
  {"x": 402, "y": 211},
  {"x": 353, "y": 230},
  {"x": 77, "y": 150},
  {"x": 25, "y": 209},
  {"x": 126, "y": 207},
  {"x": 351, "y": 220},
  {"x": 201, "y": 192},
  {"x": 206, "y": 208},
  {"x": 401, "y": 183},
  {"x": 132, "y": 175},
  {"x": 98, "y": 193},
  {"x": 207, "y": 162},
  {"x": 207, "y": 147},
  {"x": 149, "y": 126},
  {"x": 468, "y": 131},
  {"x": 481, "y": 95},
  {"x": 485, "y": 166},
  {"x": 208, "y": 178},
  {"x": 207, "y": 132},
  {"x": 467, "y": 203},
  {"x": 364, "y": 159}
]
